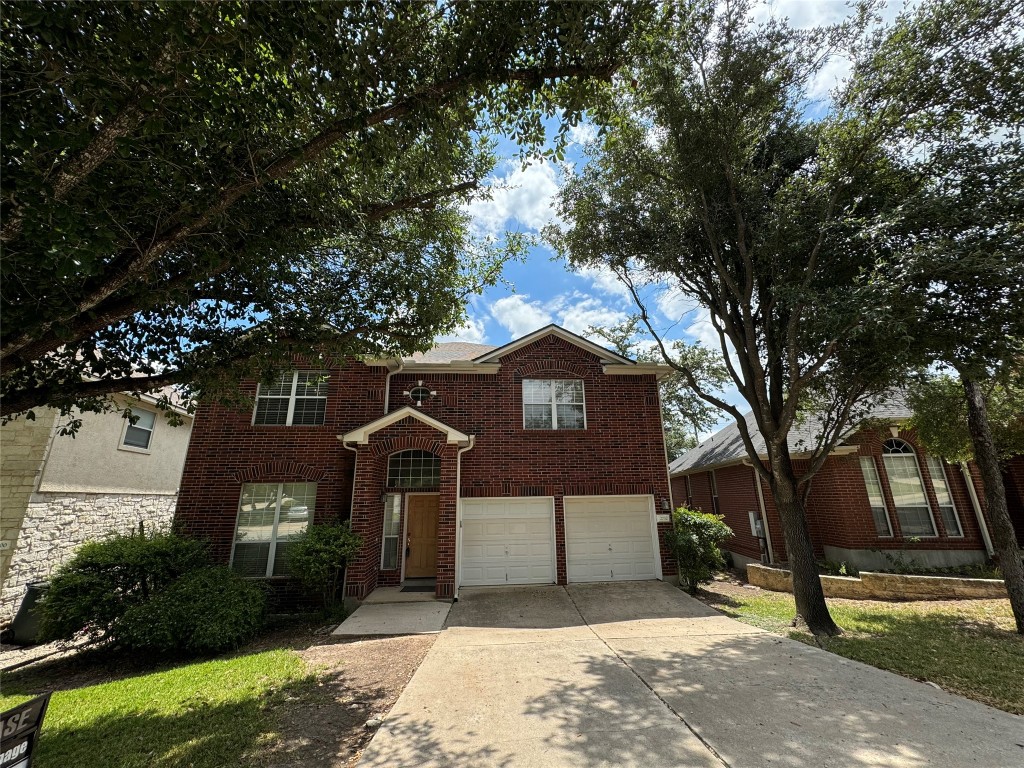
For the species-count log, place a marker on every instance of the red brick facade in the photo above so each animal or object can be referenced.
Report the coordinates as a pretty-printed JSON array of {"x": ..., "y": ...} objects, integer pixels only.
[
  {"x": 838, "y": 510},
  {"x": 621, "y": 451}
]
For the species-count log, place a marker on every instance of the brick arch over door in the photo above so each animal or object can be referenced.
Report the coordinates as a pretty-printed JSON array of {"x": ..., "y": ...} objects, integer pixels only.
[
  {"x": 285, "y": 470},
  {"x": 393, "y": 445}
]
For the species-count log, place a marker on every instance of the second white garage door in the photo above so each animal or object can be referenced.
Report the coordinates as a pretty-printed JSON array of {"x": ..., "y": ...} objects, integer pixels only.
[
  {"x": 609, "y": 538},
  {"x": 507, "y": 541}
]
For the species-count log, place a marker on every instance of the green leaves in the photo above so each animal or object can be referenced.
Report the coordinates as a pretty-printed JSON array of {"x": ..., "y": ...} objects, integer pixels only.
[{"x": 181, "y": 180}]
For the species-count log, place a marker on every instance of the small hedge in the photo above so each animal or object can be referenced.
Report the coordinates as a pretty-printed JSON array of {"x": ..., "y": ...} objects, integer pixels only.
[
  {"x": 317, "y": 559},
  {"x": 694, "y": 539},
  {"x": 151, "y": 593}
]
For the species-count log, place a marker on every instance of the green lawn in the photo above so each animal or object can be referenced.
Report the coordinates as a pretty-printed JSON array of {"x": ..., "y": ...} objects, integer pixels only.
[
  {"x": 206, "y": 714},
  {"x": 966, "y": 647}
]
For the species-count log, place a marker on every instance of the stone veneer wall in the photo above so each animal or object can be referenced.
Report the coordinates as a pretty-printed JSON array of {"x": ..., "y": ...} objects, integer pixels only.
[{"x": 56, "y": 524}]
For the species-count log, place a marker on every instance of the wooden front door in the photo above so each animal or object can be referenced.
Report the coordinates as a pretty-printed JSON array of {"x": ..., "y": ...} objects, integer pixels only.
[{"x": 421, "y": 542}]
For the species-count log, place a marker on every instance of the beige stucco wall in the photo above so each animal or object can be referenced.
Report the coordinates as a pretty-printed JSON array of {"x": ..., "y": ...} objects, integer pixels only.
[
  {"x": 94, "y": 461},
  {"x": 22, "y": 448}
]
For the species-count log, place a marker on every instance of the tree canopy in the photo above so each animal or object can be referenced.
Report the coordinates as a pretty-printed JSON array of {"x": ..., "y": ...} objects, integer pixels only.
[{"x": 193, "y": 192}]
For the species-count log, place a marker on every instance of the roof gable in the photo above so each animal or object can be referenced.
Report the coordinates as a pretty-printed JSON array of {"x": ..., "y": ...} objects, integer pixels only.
[
  {"x": 605, "y": 355},
  {"x": 362, "y": 434}
]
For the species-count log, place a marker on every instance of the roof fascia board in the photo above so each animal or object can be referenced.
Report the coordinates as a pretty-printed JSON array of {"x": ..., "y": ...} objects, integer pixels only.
[
  {"x": 839, "y": 450},
  {"x": 606, "y": 355},
  {"x": 638, "y": 369},
  {"x": 362, "y": 434},
  {"x": 456, "y": 366}
]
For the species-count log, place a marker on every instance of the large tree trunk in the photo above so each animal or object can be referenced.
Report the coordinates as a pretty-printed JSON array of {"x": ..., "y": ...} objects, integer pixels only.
[
  {"x": 1004, "y": 539},
  {"x": 811, "y": 608}
]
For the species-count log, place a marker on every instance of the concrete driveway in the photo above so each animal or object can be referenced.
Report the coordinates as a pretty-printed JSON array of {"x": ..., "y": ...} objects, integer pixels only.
[{"x": 639, "y": 674}]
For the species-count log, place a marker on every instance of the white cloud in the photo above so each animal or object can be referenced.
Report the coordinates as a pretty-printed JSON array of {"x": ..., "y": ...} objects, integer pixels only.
[
  {"x": 703, "y": 331},
  {"x": 584, "y": 133},
  {"x": 524, "y": 197},
  {"x": 674, "y": 304},
  {"x": 581, "y": 312},
  {"x": 605, "y": 281},
  {"x": 520, "y": 316},
  {"x": 472, "y": 331}
]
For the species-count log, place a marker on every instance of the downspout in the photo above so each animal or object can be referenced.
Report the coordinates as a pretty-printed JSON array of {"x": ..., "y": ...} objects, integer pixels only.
[
  {"x": 351, "y": 509},
  {"x": 982, "y": 525},
  {"x": 458, "y": 512},
  {"x": 764, "y": 514},
  {"x": 387, "y": 386}
]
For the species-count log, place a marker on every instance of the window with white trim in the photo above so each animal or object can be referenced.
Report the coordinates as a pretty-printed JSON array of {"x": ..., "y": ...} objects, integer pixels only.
[
  {"x": 140, "y": 434},
  {"x": 270, "y": 517},
  {"x": 947, "y": 509},
  {"x": 414, "y": 469},
  {"x": 553, "y": 404},
  {"x": 392, "y": 534},
  {"x": 875, "y": 496},
  {"x": 714, "y": 492},
  {"x": 296, "y": 399},
  {"x": 907, "y": 487}
]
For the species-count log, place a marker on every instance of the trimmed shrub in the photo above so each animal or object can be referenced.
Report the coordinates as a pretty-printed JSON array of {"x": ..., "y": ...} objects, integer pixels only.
[
  {"x": 317, "y": 559},
  {"x": 206, "y": 611},
  {"x": 92, "y": 591},
  {"x": 694, "y": 539}
]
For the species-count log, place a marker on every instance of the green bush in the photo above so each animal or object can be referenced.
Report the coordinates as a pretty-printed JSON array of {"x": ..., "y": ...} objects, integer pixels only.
[
  {"x": 91, "y": 592},
  {"x": 317, "y": 559},
  {"x": 206, "y": 611},
  {"x": 694, "y": 540}
]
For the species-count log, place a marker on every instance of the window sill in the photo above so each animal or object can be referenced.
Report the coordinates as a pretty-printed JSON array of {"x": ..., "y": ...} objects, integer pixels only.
[{"x": 135, "y": 449}]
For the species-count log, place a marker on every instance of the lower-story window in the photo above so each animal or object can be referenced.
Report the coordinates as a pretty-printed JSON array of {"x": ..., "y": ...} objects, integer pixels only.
[
  {"x": 270, "y": 517},
  {"x": 392, "y": 518}
]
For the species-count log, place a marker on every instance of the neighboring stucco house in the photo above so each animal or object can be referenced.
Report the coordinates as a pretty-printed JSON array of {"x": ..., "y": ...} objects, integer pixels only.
[
  {"x": 539, "y": 462},
  {"x": 57, "y": 492},
  {"x": 878, "y": 497}
]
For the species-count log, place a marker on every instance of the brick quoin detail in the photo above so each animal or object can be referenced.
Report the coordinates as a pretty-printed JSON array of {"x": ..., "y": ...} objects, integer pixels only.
[{"x": 620, "y": 453}]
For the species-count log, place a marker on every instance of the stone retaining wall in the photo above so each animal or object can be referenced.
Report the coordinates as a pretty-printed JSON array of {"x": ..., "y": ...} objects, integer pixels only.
[
  {"x": 56, "y": 524},
  {"x": 883, "y": 586}
]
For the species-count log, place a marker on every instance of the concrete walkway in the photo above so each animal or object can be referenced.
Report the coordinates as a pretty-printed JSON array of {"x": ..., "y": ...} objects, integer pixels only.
[{"x": 639, "y": 674}]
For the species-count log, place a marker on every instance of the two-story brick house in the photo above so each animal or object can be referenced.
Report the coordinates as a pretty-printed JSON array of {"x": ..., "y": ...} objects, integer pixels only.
[{"x": 538, "y": 462}]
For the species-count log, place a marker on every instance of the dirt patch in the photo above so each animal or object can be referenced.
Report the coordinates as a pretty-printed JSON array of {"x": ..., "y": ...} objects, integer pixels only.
[{"x": 324, "y": 725}]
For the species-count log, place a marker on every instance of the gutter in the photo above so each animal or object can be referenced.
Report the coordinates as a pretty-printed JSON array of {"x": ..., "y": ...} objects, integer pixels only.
[
  {"x": 387, "y": 386},
  {"x": 973, "y": 493},
  {"x": 458, "y": 513},
  {"x": 351, "y": 507}
]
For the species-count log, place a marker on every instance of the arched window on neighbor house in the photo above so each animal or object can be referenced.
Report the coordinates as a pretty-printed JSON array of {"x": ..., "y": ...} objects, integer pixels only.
[{"x": 907, "y": 486}]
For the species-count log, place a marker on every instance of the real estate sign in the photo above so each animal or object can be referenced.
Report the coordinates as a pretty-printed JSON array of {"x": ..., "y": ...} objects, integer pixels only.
[{"x": 19, "y": 732}]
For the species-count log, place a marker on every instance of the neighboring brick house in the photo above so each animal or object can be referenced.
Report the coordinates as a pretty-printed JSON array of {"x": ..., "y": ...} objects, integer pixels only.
[
  {"x": 57, "y": 492},
  {"x": 539, "y": 462},
  {"x": 877, "y": 498}
]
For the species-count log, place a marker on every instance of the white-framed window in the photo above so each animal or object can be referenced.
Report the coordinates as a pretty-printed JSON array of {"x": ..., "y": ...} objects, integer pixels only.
[
  {"x": 392, "y": 531},
  {"x": 414, "y": 469},
  {"x": 908, "y": 496},
  {"x": 270, "y": 517},
  {"x": 553, "y": 404},
  {"x": 689, "y": 491},
  {"x": 139, "y": 436},
  {"x": 298, "y": 398},
  {"x": 875, "y": 496},
  {"x": 944, "y": 497}
]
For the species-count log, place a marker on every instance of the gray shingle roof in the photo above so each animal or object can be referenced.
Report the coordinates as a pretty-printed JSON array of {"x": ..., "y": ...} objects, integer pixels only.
[
  {"x": 450, "y": 350},
  {"x": 726, "y": 445}
]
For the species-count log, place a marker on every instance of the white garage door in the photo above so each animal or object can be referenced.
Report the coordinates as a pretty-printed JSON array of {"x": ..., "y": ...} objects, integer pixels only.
[
  {"x": 507, "y": 541},
  {"x": 609, "y": 538}
]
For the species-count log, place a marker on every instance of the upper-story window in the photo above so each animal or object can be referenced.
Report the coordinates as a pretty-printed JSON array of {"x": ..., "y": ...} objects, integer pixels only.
[
  {"x": 298, "y": 398},
  {"x": 553, "y": 404},
  {"x": 908, "y": 496},
  {"x": 139, "y": 436}
]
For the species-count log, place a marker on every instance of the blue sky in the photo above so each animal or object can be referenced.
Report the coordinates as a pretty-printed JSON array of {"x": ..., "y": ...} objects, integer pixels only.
[{"x": 543, "y": 289}]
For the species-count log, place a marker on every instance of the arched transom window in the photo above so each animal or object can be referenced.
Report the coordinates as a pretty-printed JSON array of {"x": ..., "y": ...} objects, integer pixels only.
[
  {"x": 414, "y": 469},
  {"x": 907, "y": 486}
]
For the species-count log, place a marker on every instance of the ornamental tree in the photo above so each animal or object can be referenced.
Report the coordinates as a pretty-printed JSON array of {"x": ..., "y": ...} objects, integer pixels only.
[{"x": 193, "y": 192}]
